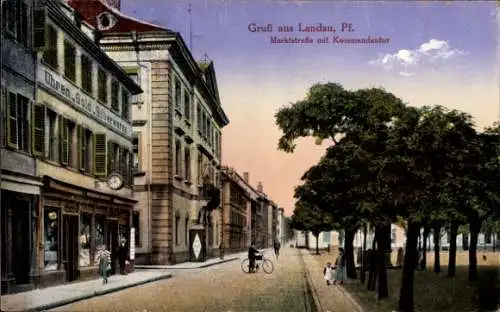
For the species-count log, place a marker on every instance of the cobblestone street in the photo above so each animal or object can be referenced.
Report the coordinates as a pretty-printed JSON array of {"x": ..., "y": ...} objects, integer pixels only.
[{"x": 219, "y": 288}]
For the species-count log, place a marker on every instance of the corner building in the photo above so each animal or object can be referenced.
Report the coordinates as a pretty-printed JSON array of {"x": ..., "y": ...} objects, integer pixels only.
[
  {"x": 178, "y": 123},
  {"x": 82, "y": 134}
]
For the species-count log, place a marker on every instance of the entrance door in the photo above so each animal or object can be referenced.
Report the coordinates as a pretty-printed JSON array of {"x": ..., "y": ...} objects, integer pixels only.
[
  {"x": 113, "y": 243},
  {"x": 70, "y": 246},
  {"x": 21, "y": 245}
]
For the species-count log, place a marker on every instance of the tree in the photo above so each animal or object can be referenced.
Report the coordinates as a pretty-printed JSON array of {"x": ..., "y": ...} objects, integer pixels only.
[{"x": 307, "y": 217}]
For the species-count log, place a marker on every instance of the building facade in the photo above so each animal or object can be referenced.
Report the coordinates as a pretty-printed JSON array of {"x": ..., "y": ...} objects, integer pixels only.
[
  {"x": 82, "y": 141},
  {"x": 237, "y": 197},
  {"x": 20, "y": 189},
  {"x": 178, "y": 123}
]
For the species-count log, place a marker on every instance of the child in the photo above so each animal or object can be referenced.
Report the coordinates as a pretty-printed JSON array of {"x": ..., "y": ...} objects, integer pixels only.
[
  {"x": 328, "y": 273},
  {"x": 104, "y": 257}
]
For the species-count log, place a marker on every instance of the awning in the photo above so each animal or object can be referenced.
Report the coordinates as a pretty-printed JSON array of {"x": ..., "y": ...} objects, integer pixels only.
[{"x": 20, "y": 185}]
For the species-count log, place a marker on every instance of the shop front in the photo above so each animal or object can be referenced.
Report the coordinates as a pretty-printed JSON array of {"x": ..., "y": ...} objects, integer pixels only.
[{"x": 76, "y": 223}]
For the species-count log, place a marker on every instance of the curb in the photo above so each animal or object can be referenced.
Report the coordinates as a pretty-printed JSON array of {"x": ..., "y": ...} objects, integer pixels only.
[
  {"x": 145, "y": 267},
  {"x": 314, "y": 292},
  {"x": 351, "y": 299},
  {"x": 95, "y": 293}
]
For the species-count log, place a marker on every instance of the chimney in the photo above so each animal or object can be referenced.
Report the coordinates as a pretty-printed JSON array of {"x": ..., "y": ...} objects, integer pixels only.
[
  {"x": 260, "y": 188},
  {"x": 246, "y": 177}
]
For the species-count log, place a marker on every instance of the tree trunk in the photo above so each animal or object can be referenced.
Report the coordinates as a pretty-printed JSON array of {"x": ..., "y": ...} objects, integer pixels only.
[
  {"x": 474, "y": 232},
  {"x": 437, "y": 237},
  {"x": 423, "y": 262},
  {"x": 452, "y": 261},
  {"x": 383, "y": 236},
  {"x": 372, "y": 275},
  {"x": 349, "y": 253},
  {"x": 410, "y": 262},
  {"x": 317, "y": 242},
  {"x": 465, "y": 241},
  {"x": 363, "y": 256}
]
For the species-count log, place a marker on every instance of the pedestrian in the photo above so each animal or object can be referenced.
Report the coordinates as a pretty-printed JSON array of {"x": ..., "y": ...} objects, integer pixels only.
[
  {"x": 104, "y": 257},
  {"x": 122, "y": 255},
  {"x": 328, "y": 273},
  {"x": 277, "y": 246},
  {"x": 340, "y": 270}
]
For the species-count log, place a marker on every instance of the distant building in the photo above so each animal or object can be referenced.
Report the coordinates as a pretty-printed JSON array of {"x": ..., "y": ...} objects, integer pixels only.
[{"x": 177, "y": 132}]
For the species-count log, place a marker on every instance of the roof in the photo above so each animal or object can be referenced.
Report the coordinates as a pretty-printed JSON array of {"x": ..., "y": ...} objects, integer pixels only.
[{"x": 91, "y": 9}]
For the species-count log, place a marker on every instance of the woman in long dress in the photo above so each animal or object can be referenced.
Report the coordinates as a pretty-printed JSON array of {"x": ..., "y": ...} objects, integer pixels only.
[
  {"x": 340, "y": 271},
  {"x": 104, "y": 263}
]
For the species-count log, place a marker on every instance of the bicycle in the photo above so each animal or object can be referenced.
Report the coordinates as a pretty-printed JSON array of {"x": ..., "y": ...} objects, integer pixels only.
[{"x": 260, "y": 261}]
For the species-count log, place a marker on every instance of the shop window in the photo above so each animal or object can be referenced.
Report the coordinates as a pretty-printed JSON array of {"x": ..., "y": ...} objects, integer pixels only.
[
  {"x": 51, "y": 238},
  {"x": 100, "y": 235},
  {"x": 86, "y": 66},
  {"x": 136, "y": 226},
  {"x": 85, "y": 239}
]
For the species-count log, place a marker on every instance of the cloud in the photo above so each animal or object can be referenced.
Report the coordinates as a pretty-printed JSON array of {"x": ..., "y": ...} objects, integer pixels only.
[{"x": 432, "y": 52}]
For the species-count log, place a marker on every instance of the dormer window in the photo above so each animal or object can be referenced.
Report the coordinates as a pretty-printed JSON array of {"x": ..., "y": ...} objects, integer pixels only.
[{"x": 105, "y": 21}]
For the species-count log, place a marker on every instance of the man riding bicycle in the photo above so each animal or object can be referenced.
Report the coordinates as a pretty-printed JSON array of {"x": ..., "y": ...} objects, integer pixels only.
[{"x": 252, "y": 255}]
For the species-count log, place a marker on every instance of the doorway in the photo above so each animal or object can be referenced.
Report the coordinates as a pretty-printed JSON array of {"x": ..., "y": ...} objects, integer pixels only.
[
  {"x": 112, "y": 243},
  {"x": 21, "y": 243},
  {"x": 70, "y": 246}
]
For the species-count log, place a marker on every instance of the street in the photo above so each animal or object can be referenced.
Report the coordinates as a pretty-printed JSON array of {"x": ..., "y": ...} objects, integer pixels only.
[{"x": 222, "y": 287}]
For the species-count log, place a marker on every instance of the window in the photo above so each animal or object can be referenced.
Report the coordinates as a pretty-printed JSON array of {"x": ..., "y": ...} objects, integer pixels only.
[
  {"x": 53, "y": 134},
  {"x": 134, "y": 99},
  {"x": 177, "y": 229},
  {"x": 51, "y": 238},
  {"x": 85, "y": 238},
  {"x": 125, "y": 104},
  {"x": 68, "y": 153},
  {"x": 113, "y": 157},
  {"x": 84, "y": 149},
  {"x": 16, "y": 21},
  {"x": 178, "y": 158},
  {"x": 198, "y": 116},
  {"x": 187, "y": 164},
  {"x": 18, "y": 126},
  {"x": 136, "y": 226},
  {"x": 115, "y": 93},
  {"x": 100, "y": 235},
  {"x": 136, "y": 141},
  {"x": 99, "y": 141},
  {"x": 102, "y": 86},
  {"x": 187, "y": 105},
  {"x": 50, "y": 53},
  {"x": 177, "y": 94},
  {"x": 200, "y": 169},
  {"x": 186, "y": 226},
  {"x": 86, "y": 67},
  {"x": 69, "y": 61}
]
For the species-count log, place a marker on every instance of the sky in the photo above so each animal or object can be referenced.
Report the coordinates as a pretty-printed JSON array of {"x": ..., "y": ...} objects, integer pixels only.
[{"x": 437, "y": 53}]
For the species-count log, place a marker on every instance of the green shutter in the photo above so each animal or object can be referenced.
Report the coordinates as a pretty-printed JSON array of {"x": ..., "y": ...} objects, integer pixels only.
[
  {"x": 39, "y": 28},
  {"x": 99, "y": 154},
  {"x": 11, "y": 120},
  {"x": 111, "y": 157},
  {"x": 80, "y": 146},
  {"x": 64, "y": 139},
  {"x": 38, "y": 130}
]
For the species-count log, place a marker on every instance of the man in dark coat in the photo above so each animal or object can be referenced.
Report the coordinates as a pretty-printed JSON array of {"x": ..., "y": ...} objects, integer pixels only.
[
  {"x": 252, "y": 253},
  {"x": 277, "y": 246},
  {"x": 122, "y": 255}
]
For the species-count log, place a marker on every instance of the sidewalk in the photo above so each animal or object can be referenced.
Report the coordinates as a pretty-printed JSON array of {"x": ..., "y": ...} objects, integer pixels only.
[
  {"x": 198, "y": 265},
  {"x": 52, "y": 297},
  {"x": 328, "y": 298}
]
